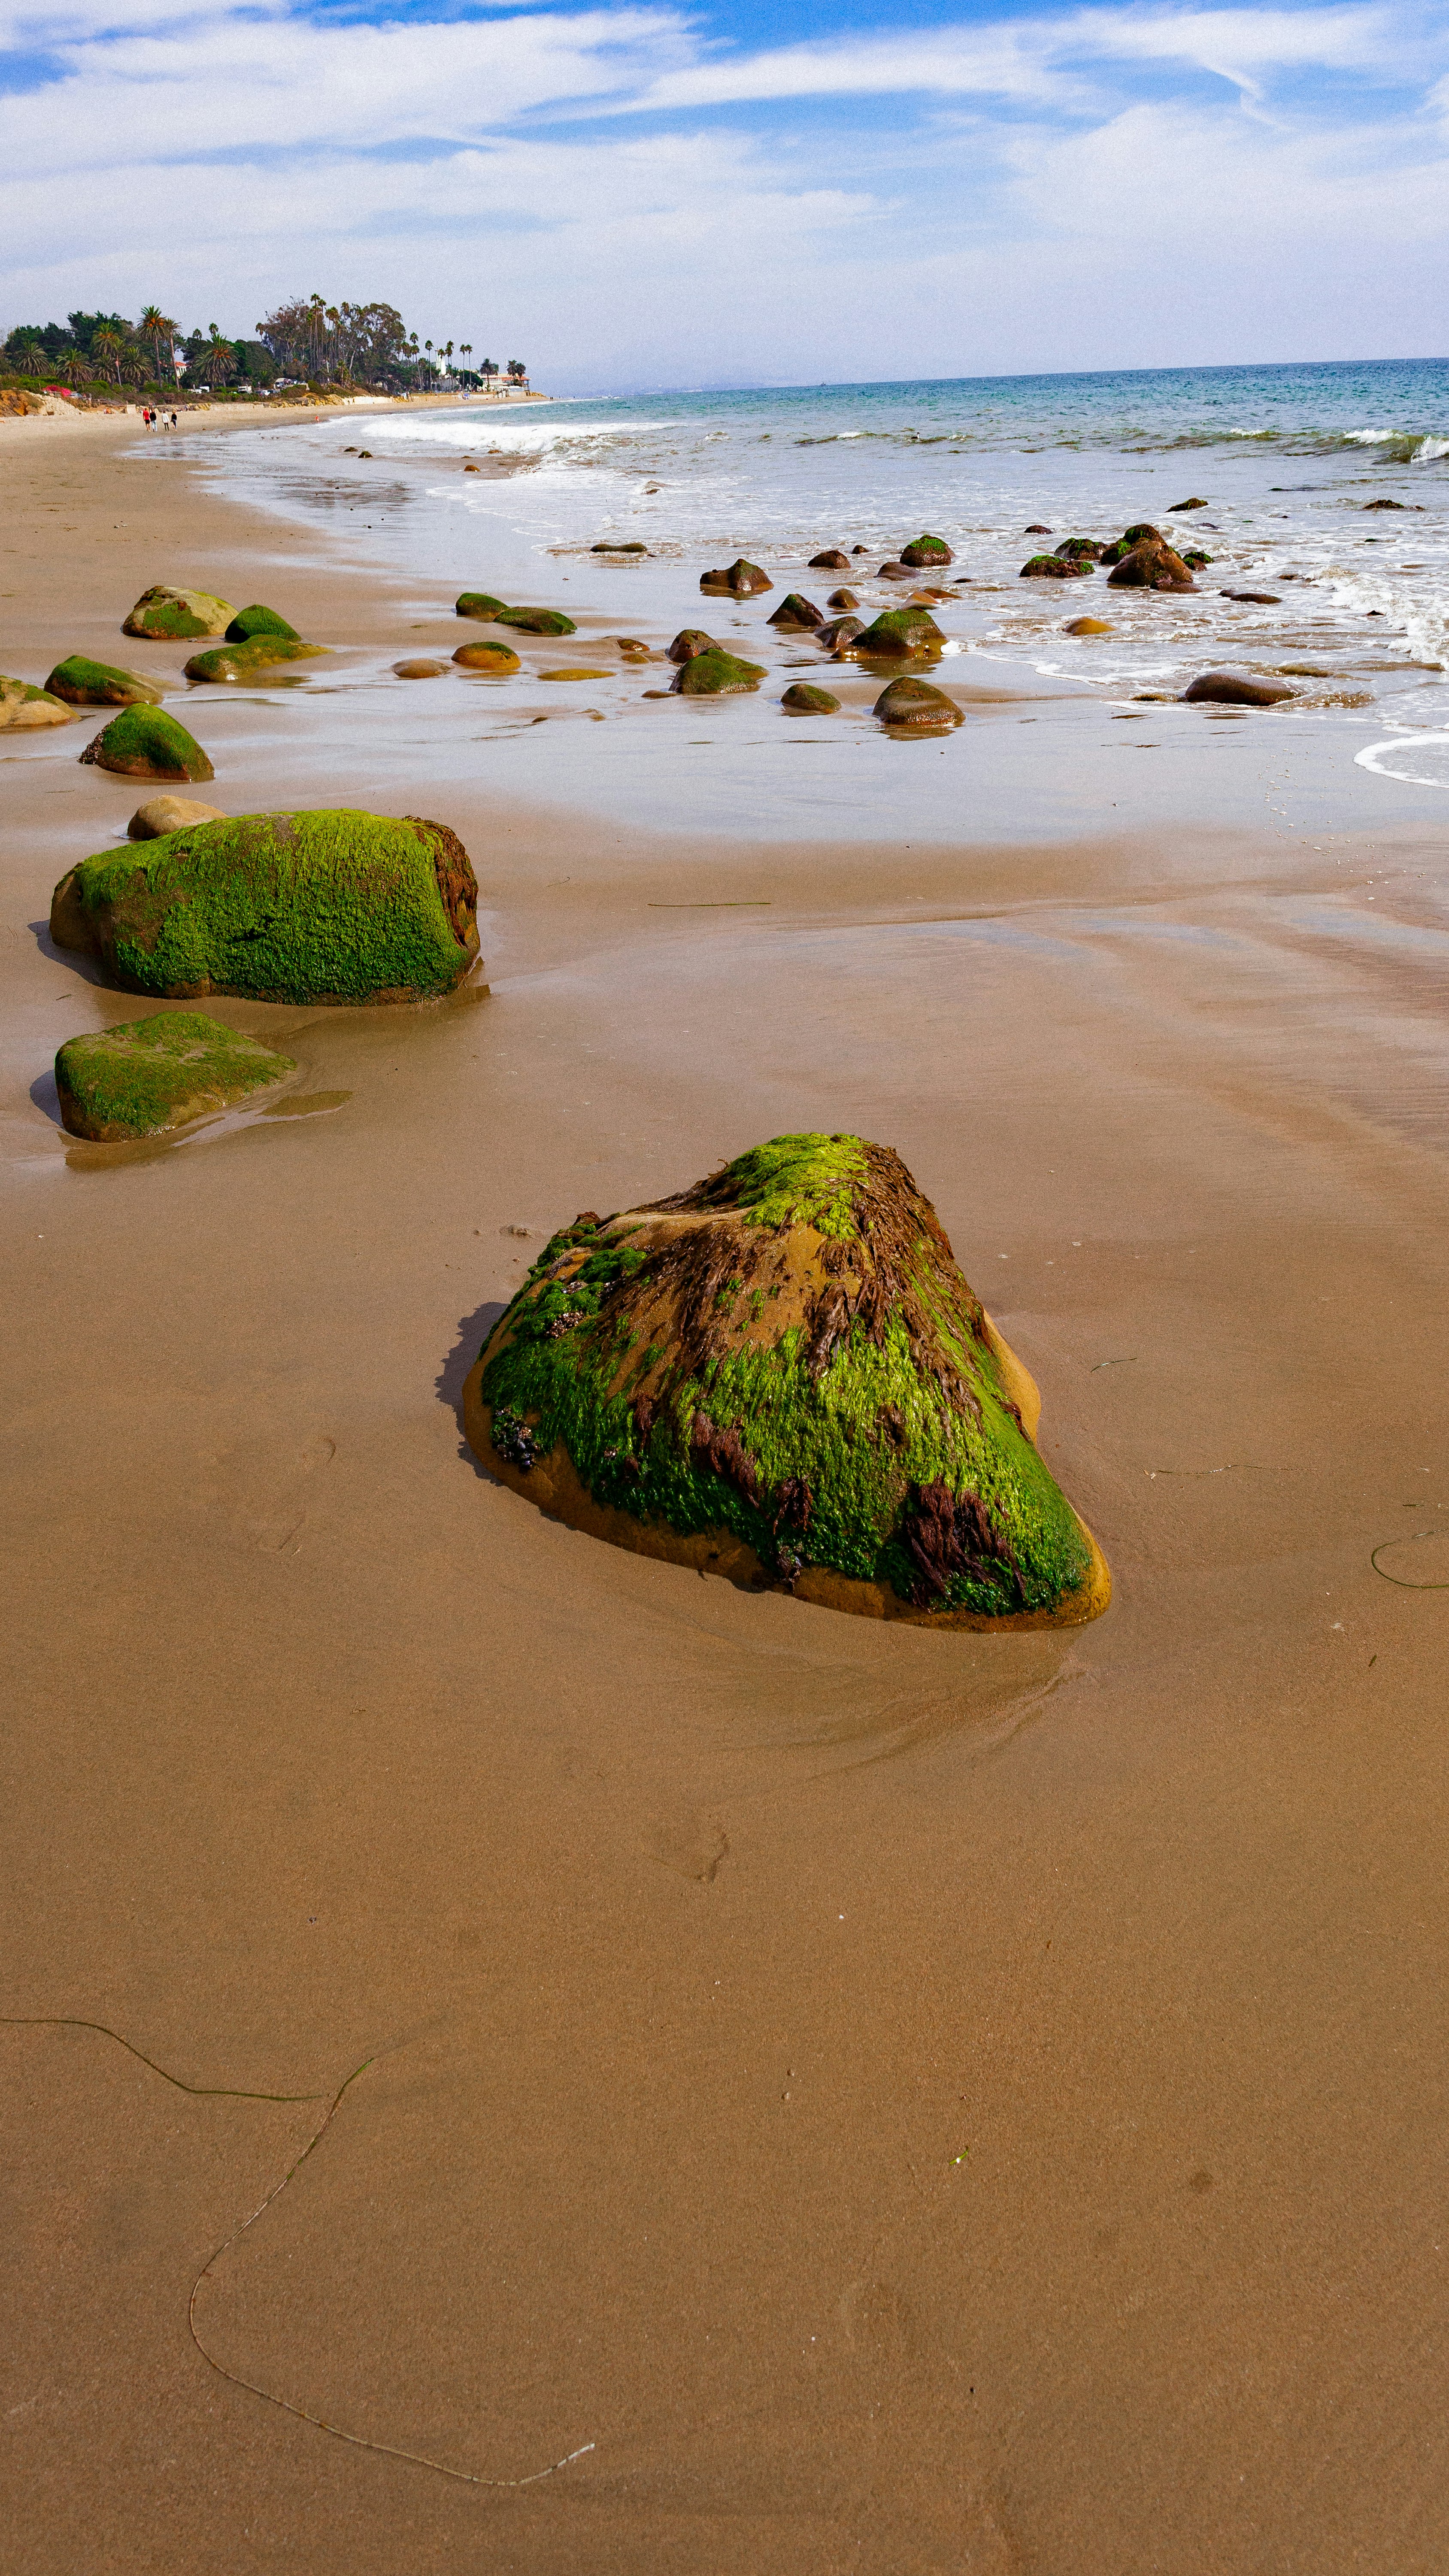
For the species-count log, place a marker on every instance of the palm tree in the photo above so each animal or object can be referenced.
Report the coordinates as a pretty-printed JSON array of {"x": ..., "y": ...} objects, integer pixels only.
[
  {"x": 160, "y": 330},
  {"x": 107, "y": 345},
  {"x": 465, "y": 348}
]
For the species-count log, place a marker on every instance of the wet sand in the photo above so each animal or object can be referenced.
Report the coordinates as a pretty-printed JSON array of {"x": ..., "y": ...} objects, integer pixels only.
[{"x": 909, "y": 2103}]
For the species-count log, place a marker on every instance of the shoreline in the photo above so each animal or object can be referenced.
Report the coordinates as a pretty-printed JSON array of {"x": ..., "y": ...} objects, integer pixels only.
[{"x": 885, "y": 2091}]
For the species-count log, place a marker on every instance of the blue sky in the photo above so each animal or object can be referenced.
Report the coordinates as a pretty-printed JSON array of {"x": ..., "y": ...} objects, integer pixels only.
[{"x": 653, "y": 195}]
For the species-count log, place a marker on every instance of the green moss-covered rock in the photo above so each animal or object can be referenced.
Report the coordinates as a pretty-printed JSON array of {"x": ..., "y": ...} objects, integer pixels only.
[
  {"x": 258, "y": 621},
  {"x": 83, "y": 683},
  {"x": 494, "y": 656},
  {"x": 480, "y": 604},
  {"x": 782, "y": 1376},
  {"x": 617, "y": 546},
  {"x": 1086, "y": 550},
  {"x": 796, "y": 610},
  {"x": 536, "y": 621},
  {"x": 151, "y": 1075},
  {"x": 839, "y": 632},
  {"x": 913, "y": 706},
  {"x": 739, "y": 580},
  {"x": 716, "y": 674},
  {"x": 322, "y": 907},
  {"x": 244, "y": 661},
  {"x": 897, "y": 635},
  {"x": 1054, "y": 568},
  {"x": 1195, "y": 559},
  {"x": 1152, "y": 564},
  {"x": 178, "y": 613},
  {"x": 692, "y": 640},
  {"x": 25, "y": 709},
  {"x": 143, "y": 742},
  {"x": 926, "y": 550},
  {"x": 802, "y": 700}
]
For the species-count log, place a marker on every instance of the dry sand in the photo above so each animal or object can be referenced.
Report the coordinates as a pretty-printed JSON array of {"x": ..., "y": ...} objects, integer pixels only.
[{"x": 908, "y": 2103}]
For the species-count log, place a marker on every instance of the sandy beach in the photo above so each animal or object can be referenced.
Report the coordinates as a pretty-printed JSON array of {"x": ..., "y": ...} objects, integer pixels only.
[{"x": 932, "y": 2105}]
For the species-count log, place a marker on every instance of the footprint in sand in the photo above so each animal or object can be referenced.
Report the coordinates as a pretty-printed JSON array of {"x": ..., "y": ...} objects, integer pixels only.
[{"x": 262, "y": 1489}]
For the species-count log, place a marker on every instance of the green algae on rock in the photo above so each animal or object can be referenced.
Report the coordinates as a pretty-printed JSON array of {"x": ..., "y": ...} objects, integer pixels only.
[
  {"x": 715, "y": 674},
  {"x": 739, "y": 580},
  {"x": 1054, "y": 568},
  {"x": 178, "y": 613},
  {"x": 488, "y": 654},
  {"x": 83, "y": 683},
  {"x": 781, "y": 1376},
  {"x": 244, "y": 661},
  {"x": 26, "y": 709},
  {"x": 913, "y": 706},
  {"x": 258, "y": 621},
  {"x": 802, "y": 700},
  {"x": 536, "y": 621},
  {"x": 897, "y": 635},
  {"x": 926, "y": 549},
  {"x": 479, "y": 604},
  {"x": 796, "y": 610},
  {"x": 147, "y": 1076},
  {"x": 333, "y": 906},
  {"x": 143, "y": 742}
]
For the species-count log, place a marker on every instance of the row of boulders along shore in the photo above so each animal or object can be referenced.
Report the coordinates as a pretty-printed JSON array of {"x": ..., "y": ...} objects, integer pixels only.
[{"x": 1142, "y": 558}]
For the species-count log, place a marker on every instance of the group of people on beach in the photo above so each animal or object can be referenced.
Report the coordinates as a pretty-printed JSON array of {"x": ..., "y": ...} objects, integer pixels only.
[{"x": 150, "y": 416}]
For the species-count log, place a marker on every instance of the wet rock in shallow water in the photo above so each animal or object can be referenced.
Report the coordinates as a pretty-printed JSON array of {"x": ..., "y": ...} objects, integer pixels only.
[
  {"x": 716, "y": 674},
  {"x": 1151, "y": 565},
  {"x": 1195, "y": 559},
  {"x": 162, "y": 814},
  {"x": 1385, "y": 505},
  {"x": 487, "y": 657},
  {"x": 576, "y": 671},
  {"x": 690, "y": 641},
  {"x": 897, "y": 635},
  {"x": 258, "y": 621},
  {"x": 796, "y": 610},
  {"x": 802, "y": 700},
  {"x": 832, "y": 560},
  {"x": 1194, "y": 504},
  {"x": 913, "y": 706},
  {"x": 739, "y": 580},
  {"x": 1141, "y": 533},
  {"x": 479, "y": 604},
  {"x": 142, "y": 742},
  {"x": 1054, "y": 568},
  {"x": 840, "y": 632},
  {"x": 313, "y": 907},
  {"x": 26, "y": 709},
  {"x": 1079, "y": 550},
  {"x": 633, "y": 648},
  {"x": 1087, "y": 626},
  {"x": 895, "y": 572},
  {"x": 925, "y": 550},
  {"x": 244, "y": 661},
  {"x": 178, "y": 613},
  {"x": 1253, "y": 598},
  {"x": 1038, "y": 528},
  {"x": 149, "y": 1076},
  {"x": 83, "y": 683},
  {"x": 842, "y": 599},
  {"x": 536, "y": 621},
  {"x": 782, "y": 1377},
  {"x": 421, "y": 670},
  {"x": 609, "y": 546},
  {"x": 1235, "y": 689}
]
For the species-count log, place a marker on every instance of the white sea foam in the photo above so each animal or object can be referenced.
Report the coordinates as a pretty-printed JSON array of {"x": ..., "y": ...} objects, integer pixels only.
[{"x": 1413, "y": 759}]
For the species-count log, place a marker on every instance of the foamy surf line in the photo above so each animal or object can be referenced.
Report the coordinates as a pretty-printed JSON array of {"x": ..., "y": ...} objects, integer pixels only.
[{"x": 1411, "y": 760}]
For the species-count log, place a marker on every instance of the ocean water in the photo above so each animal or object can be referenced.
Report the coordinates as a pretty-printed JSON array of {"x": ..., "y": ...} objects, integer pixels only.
[{"x": 1288, "y": 462}]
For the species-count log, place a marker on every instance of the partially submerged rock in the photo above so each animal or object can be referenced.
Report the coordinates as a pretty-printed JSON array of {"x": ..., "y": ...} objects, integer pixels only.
[
  {"x": 913, "y": 706},
  {"x": 258, "y": 620},
  {"x": 419, "y": 669},
  {"x": 781, "y": 1376},
  {"x": 618, "y": 546},
  {"x": 690, "y": 641},
  {"x": 536, "y": 621},
  {"x": 244, "y": 661},
  {"x": 1236, "y": 689},
  {"x": 716, "y": 674},
  {"x": 1152, "y": 564},
  {"x": 25, "y": 709},
  {"x": 1196, "y": 503},
  {"x": 796, "y": 610},
  {"x": 480, "y": 604},
  {"x": 144, "y": 742},
  {"x": 148, "y": 1076},
  {"x": 493, "y": 657},
  {"x": 803, "y": 700},
  {"x": 83, "y": 683},
  {"x": 316, "y": 907},
  {"x": 739, "y": 580},
  {"x": 1083, "y": 550},
  {"x": 162, "y": 814},
  {"x": 1054, "y": 568},
  {"x": 839, "y": 632},
  {"x": 1087, "y": 626},
  {"x": 1141, "y": 532},
  {"x": 842, "y": 598},
  {"x": 832, "y": 560},
  {"x": 165, "y": 611},
  {"x": 926, "y": 550},
  {"x": 897, "y": 635}
]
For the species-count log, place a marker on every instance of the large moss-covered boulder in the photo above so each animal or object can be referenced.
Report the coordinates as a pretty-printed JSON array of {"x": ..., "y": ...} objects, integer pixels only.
[
  {"x": 144, "y": 742},
  {"x": 25, "y": 709},
  {"x": 244, "y": 661},
  {"x": 897, "y": 635},
  {"x": 151, "y": 1075},
  {"x": 83, "y": 683},
  {"x": 480, "y": 604},
  {"x": 178, "y": 613},
  {"x": 322, "y": 907},
  {"x": 258, "y": 620},
  {"x": 1079, "y": 550},
  {"x": 716, "y": 674},
  {"x": 781, "y": 1376},
  {"x": 924, "y": 550},
  {"x": 913, "y": 706},
  {"x": 739, "y": 580},
  {"x": 536, "y": 621},
  {"x": 1055, "y": 568},
  {"x": 803, "y": 700}
]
